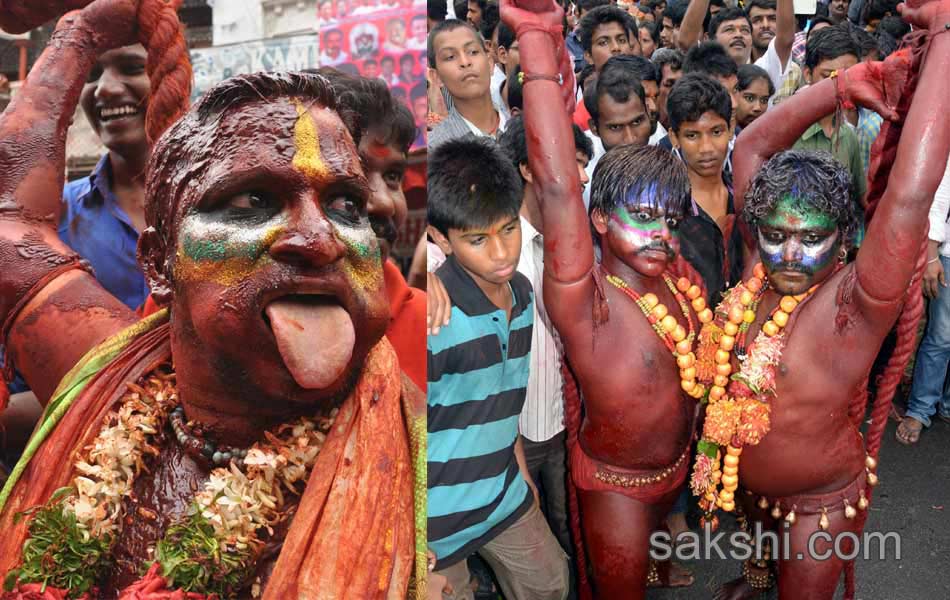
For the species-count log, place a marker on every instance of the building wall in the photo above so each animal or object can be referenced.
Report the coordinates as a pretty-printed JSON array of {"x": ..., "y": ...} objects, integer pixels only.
[
  {"x": 236, "y": 21},
  {"x": 289, "y": 17}
]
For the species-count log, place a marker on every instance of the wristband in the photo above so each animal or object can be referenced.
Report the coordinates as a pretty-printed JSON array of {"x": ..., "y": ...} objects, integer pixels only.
[{"x": 524, "y": 78}]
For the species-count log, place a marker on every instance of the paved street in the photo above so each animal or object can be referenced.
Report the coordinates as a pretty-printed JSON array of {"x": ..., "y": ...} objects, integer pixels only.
[{"x": 913, "y": 500}]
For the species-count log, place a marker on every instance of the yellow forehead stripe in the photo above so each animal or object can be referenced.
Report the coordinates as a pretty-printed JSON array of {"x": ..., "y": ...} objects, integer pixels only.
[{"x": 308, "y": 159}]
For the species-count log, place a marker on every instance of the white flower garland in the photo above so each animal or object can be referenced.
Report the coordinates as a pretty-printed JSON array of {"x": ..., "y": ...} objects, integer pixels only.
[{"x": 236, "y": 503}]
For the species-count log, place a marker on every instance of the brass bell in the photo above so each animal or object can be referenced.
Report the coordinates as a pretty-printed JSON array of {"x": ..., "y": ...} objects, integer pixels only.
[
  {"x": 849, "y": 511},
  {"x": 776, "y": 511},
  {"x": 763, "y": 503},
  {"x": 862, "y": 502},
  {"x": 824, "y": 522},
  {"x": 873, "y": 479},
  {"x": 790, "y": 517},
  {"x": 870, "y": 462}
]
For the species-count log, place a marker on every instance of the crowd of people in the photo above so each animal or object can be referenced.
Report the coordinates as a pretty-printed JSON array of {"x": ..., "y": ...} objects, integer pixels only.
[{"x": 631, "y": 208}]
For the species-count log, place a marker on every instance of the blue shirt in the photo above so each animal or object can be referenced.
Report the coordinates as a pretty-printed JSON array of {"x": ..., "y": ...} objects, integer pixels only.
[
  {"x": 97, "y": 229},
  {"x": 478, "y": 376}
]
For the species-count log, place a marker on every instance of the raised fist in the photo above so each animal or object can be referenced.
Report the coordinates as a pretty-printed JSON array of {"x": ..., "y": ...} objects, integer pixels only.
[
  {"x": 20, "y": 16},
  {"x": 876, "y": 86},
  {"x": 548, "y": 16},
  {"x": 926, "y": 14}
]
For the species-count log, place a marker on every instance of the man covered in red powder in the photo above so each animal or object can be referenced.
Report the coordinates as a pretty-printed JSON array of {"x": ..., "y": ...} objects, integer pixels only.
[
  {"x": 798, "y": 338},
  {"x": 629, "y": 456},
  {"x": 259, "y": 422},
  {"x": 814, "y": 468}
]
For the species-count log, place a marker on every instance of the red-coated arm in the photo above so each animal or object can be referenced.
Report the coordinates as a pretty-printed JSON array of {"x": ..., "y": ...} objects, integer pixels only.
[
  {"x": 777, "y": 130},
  {"x": 780, "y": 127},
  {"x": 568, "y": 250},
  {"x": 32, "y": 160},
  {"x": 20, "y": 16},
  {"x": 886, "y": 261}
]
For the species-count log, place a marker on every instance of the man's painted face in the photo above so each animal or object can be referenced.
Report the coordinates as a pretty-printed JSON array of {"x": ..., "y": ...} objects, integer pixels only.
[
  {"x": 798, "y": 245},
  {"x": 397, "y": 33},
  {"x": 736, "y": 37},
  {"x": 609, "y": 39},
  {"x": 114, "y": 100},
  {"x": 644, "y": 235},
  {"x": 764, "y": 22},
  {"x": 385, "y": 166},
  {"x": 420, "y": 109},
  {"x": 276, "y": 271}
]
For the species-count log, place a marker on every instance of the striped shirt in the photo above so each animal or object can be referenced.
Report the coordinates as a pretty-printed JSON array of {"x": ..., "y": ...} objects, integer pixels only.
[
  {"x": 543, "y": 415},
  {"x": 478, "y": 371}
]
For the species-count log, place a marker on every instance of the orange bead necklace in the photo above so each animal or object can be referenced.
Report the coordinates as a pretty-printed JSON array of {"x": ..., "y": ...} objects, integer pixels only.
[{"x": 677, "y": 339}]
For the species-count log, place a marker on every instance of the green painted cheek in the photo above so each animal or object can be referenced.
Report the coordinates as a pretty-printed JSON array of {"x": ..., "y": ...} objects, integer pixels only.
[
  {"x": 224, "y": 256},
  {"x": 363, "y": 261},
  {"x": 198, "y": 249}
]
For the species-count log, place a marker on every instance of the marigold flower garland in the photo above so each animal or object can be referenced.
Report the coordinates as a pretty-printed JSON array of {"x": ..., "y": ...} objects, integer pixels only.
[
  {"x": 737, "y": 405},
  {"x": 211, "y": 551}
]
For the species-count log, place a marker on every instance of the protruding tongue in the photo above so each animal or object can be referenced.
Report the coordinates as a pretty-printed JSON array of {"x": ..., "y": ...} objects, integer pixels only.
[{"x": 315, "y": 338}]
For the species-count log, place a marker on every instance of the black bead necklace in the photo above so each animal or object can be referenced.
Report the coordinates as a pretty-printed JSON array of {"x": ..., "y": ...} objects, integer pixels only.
[{"x": 200, "y": 448}]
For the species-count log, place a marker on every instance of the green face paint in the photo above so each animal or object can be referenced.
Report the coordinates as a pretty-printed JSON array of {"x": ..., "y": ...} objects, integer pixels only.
[
  {"x": 224, "y": 253},
  {"x": 796, "y": 238}
]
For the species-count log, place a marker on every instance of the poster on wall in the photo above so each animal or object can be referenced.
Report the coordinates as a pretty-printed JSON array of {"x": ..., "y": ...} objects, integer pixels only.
[
  {"x": 211, "y": 65},
  {"x": 379, "y": 38}
]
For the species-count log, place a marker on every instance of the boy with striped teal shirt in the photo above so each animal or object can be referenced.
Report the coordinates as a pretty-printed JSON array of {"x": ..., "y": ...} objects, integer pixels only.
[{"x": 480, "y": 496}]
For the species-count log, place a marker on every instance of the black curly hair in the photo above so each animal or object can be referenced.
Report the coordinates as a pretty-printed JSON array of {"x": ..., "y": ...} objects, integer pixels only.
[{"x": 814, "y": 179}]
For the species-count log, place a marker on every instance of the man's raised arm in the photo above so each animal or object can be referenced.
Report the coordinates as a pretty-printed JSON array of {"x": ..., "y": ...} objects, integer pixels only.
[
  {"x": 781, "y": 126},
  {"x": 568, "y": 251},
  {"x": 33, "y": 280},
  {"x": 887, "y": 258},
  {"x": 691, "y": 29}
]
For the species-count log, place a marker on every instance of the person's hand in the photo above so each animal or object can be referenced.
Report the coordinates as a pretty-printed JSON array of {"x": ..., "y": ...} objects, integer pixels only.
[
  {"x": 535, "y": 492},
  {"x": 20, "y": 16},
  {"x": 437, "y": 584},
  {"x": 925, "y": 14},
  {"x": 438, "y": 304},
  {"x": 114, "y": 21},
  {"x": 934, "y": 279},
  {"x": 548, "y": 16},
  {"x": 532, "y": 14},
  {"x": 863, "y": 85}
]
